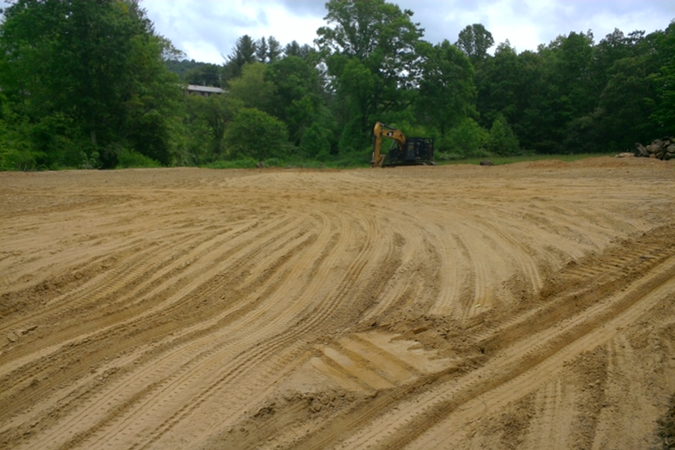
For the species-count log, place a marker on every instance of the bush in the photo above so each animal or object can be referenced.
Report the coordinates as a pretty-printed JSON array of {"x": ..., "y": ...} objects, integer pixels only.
[
  {"x": 131, "y": 159},
  {"x": 314, "y": 142},
  {"x": 466, "y": 140},
  {"x": 502, "y": 140},
  {"x": 244, "y": 163},
  {"x": 256, "y": 134}
]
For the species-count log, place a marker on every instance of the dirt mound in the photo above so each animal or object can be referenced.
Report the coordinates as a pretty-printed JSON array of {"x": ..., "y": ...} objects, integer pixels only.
[{"x": 521, "y": 306}]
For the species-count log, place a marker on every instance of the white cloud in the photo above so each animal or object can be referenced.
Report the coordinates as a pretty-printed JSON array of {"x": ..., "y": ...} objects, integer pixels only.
[{"x": 205, "y": 30}]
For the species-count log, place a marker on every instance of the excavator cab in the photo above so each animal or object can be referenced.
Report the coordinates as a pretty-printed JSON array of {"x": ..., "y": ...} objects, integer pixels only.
[{"x": 417, "y": 150}]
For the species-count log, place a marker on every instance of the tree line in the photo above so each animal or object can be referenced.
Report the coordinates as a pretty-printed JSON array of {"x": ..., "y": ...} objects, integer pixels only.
[{"x": 91, "y": 84}]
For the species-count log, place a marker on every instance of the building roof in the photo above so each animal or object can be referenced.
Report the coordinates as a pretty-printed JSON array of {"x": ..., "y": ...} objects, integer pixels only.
[{"x": 205, "y": 89}]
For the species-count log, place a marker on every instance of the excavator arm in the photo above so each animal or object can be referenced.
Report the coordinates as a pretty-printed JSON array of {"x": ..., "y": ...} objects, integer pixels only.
[{"x": 381, "y": 130}]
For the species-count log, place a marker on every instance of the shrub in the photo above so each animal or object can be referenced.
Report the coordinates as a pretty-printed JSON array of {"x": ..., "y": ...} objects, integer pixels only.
[
  {"x": 256, "y": 134},
  {"x": 131, "y": 159},
  {"x": 466, "y": 140},
  {"x": 314, "y": 142},
  {"x": 502, "y": 140}
]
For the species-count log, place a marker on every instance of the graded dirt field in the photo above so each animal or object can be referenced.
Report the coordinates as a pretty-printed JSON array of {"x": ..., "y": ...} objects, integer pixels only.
[{"x": 527, "y": 306}]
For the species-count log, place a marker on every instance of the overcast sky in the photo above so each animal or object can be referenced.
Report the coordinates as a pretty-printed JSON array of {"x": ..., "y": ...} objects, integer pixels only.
[{"x": 206, "y": 30}]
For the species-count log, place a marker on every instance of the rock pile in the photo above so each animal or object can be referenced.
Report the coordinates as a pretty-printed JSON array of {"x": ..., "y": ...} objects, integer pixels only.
[{"x": 661, "y": 148}]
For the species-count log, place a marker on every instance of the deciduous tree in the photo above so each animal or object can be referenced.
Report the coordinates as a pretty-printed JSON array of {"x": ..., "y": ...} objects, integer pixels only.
[
  {"x": 88, "y": 71},
  {"x": 447, "y": 94},
  {"x": 369, "y": 47},
  {"x": 474, "y": 40}
]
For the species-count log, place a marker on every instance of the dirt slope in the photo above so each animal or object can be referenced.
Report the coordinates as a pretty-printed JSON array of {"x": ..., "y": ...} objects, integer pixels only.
[{"x": 527, "y": 306}]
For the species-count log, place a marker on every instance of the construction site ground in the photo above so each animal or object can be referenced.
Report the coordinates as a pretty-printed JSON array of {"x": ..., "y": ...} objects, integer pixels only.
[{"x": 527, "y": 306}]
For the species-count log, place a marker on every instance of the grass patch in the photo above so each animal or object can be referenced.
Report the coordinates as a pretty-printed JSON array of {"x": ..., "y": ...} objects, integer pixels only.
[
  {"x": 354, "y": 161},
  {"x": 499, "y": 160},
  {"x": 249, "y": 163}
]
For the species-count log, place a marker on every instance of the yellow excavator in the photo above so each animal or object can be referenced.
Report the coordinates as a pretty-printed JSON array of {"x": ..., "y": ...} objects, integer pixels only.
[{"x": 403, "y": 151}]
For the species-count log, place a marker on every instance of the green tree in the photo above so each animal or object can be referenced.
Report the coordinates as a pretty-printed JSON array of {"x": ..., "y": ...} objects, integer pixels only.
[
  {"x": 16, "y": 149},
  {"x": 257, "y": 135},
  {"x": 560, "y": 92},
  {"x": 502, "y": 140},
  {"x": 474, "y": 40},
  {"x": 295, "y": 49},
  {"x": 369, "y": 48},
  {"x": 297, "y": 95},
  {"x": 466, "y": 140},
  {"x": 626, "y": 105},
  {"x": 664, "y": 81},
  {"x": 268, "y": 51},
  {"x": 315, "y": 142},
  {"x": 90, "y": 77},
  {"x": 251, "y": 88},
  {"x": 447, "y": 94},
  {"x": 244, "y": 52},
  {"x": 205, "y": 124},
  {"x": 498, "y": 81},
  {"x": 610, "y": 49},
  {"x": 204, "y": 75}
]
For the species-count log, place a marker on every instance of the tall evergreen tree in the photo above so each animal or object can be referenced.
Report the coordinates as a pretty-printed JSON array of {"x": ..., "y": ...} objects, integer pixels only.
[{"x": 244, "y": 52}]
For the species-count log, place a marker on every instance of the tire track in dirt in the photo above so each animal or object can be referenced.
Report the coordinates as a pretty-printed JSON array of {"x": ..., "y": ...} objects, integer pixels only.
[
  {"x": 195, "y": 354},
  {"x": 582, "y": 284},
  {"x": 193, "y": 343},
  {"x": 111, "y": 289},
  {"x": 105, "y": 335},
  {"x": 520, "y": 255},
  {"x": 327, "y": 311},
  {"x": 513, "y": 373},
  {"x": 247, "y": 362},
  {"x": 283, "y": 243}
]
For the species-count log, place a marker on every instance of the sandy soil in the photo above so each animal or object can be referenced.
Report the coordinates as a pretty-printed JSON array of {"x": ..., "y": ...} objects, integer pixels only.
[{"x": 526, "y": 306}]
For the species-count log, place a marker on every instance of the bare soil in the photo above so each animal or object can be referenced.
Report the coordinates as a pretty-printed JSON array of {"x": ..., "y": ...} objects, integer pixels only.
[{"x": 527, "y": 306}]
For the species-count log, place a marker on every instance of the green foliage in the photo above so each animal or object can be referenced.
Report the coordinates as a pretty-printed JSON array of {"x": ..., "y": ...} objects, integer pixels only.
[
  {"x": 466, "y": 140},
  {"x": 664, "y": 83},
  {"x": 257, "y": 135},
  {"x": 268, "y": 51},
  {"x": 297, "y": 95},
  {"x": 315, "y": 143},
  {"x": 502, "y": 81},
  {"x": 131, "y": 159},
  {"x": 369, "y": 49},
  {"x": 251, "y": 88},
  {"x": 84, "y": 84},
  {"x": 502, "y": 140},
  {"x": 242, "y": 163},
  {"x": 243, "y": 53},
  {"x": 295, "y": 49},
  {"x": 183, "y": 66},
  {"x": 474, "y": 41},
  {"x": 204, "y": 75},
  {"x": 500, "y": 160},
  {"x": 352, "y": 139},
  {"x": 626, "y": 105},
  {"x": 447, "y": 94},
  {"x": 204, "y": 124},
  {"x": 89, "y": 77}
]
